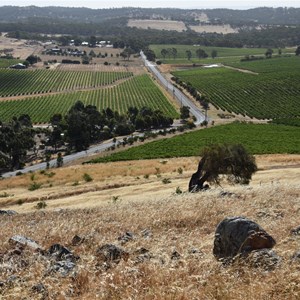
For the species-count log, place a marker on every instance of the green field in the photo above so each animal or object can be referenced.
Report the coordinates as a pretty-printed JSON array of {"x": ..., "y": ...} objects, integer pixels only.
[
  {"x": 25, "y": 82},
  {"x": 5, "y": 63},
  {"x": 223, "y": 54},
  {"x": 137, "y": 91},
  {"x": 257, "y": 139},
  {"x": 273, "y": 93}
]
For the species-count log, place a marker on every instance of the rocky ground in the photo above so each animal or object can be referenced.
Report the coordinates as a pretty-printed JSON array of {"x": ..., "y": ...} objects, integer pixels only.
[{"x": 156, "y": 244}]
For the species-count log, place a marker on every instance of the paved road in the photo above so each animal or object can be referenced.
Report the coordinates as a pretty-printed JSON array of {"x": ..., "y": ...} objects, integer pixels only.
[
  {"x": 180, "y": 97},
  {"x": 68, "y": 158}
]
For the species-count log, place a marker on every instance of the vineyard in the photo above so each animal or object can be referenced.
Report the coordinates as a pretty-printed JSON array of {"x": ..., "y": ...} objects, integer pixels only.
[
  {"x": 26, "y": 82},
  {"x": 257, "y": 138},
  {"x": 274, "y": 93},
  {"x": 137, "y": 91}
]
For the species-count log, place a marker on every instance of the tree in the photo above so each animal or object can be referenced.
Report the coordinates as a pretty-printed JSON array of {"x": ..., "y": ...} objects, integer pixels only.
[
  {"x": 33, "y": 59},
  {"x": 92, "y": 41},
  {"x": 201, "y": 53},
  {"x": 127, "y": 53},
  {"x": 221, "y": 160},
  {"x": 59, "y": 160},
  {"x": 297, "y": 52},
  {"x": 269, "y": 53},
  {"x": 16, "y": 138},
  {"x": 214, "y": 53},
  {"x": 164, "y": 52},
  {"x": 174, "y": 53},
  {"x": 188, "y": 54},
  {"x": 184, "y": 112}
]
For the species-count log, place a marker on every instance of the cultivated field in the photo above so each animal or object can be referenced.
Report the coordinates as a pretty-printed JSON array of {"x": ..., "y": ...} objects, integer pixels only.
[
  {"x": 45, "y": 81},
  {"x": 120, "y": 200},
  {"x": 256, "y": 138},
  {"x": 225, "y": 29},
  {"x": 273, "y": 93},
  {"x": 137, "y": 91},
  {"x": 158, "y": 24}
]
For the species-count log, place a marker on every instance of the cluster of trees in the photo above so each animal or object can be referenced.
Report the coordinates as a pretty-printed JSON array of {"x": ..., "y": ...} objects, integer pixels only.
[
  {"x": 170, "y": 52},
  {"x": 16, "y": 138},
  {"x": 76, "y": 131},
  {"x": 122, "y": 36},
  {"x": 203, "y": 100},
  {"x": 84, "y": 125}
]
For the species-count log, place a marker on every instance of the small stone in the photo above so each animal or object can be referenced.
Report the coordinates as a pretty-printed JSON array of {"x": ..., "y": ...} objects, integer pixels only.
[
  {"x": 111, "y": 253},
  {"x": 175, "y": 255},
  {"x": 126, "y": 237},
  {"x": 77, "y": 240},
  {"x": 295, "y": 231},
  {"x": 146, "y": 233},
  {"x": 39, "y": 288},
  {"x": 296, "y": 257},
  {"x": 24, "y": 241},
  {"x": 61, "y": 253},
  {"x": 266, "y": 259},
  {"x": 8, "y": 212}
]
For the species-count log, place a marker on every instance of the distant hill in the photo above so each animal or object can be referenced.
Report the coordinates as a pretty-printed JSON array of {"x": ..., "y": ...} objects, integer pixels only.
[{"x": 262, "y": 15}]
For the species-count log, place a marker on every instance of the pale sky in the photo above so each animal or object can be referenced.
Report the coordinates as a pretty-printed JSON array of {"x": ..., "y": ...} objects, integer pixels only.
[{"x": 236, "y": 4}]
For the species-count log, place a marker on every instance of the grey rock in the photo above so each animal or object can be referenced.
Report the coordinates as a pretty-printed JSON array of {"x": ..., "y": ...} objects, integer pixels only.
[
  {"x": 126, "y": 237},
  {"x": 8, "y": 212},
  {"x": 146, "y": 233},
  {"x": 77, "y": 240},
  {"x": 39, "y": 288},
  {"x": 175, "y": 255},
  {"x": 266, "y": 259},
  {"x": 237, "y": 235},
  {"x": 295, "y": 231},
  {"x": 64, "y": 267},
  {"x": 61, "y": 253},
  {"x": 296, "y": 257},
  {"x": 24, "y": 241},
  {"x": 111, "y": 253}
]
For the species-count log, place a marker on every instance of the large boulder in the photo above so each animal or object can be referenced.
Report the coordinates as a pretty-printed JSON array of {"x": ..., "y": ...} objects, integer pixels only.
[{"x": 239, "y": 235}]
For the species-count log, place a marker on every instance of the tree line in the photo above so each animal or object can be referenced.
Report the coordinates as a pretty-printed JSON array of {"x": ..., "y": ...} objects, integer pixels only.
[{"x": 76, "y": 131}]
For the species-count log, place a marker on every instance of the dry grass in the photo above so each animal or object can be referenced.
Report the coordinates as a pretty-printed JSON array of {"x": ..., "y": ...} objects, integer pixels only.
[
  {"x": 158, "y": 24},
  {"x": 185, "y": 223},
  {"x": 214, "y": 28}
]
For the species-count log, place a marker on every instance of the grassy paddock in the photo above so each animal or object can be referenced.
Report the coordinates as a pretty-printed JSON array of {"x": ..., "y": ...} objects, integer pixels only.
[
  {"x": 257, "y": 138},
  {"x": 221, "y": 51},
  {"x": 5, "y": 63}
]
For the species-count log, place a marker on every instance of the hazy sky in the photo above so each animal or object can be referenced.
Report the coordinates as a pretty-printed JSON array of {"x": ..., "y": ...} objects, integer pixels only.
[{"x": 156, "y": 3}]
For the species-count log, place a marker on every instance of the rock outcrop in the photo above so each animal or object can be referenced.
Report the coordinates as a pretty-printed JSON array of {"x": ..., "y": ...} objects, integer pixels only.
[{"x": 239, "y": 235}]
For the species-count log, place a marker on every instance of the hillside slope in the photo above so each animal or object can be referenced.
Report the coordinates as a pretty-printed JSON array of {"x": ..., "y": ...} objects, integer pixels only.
[{"x": 170, "y": 253}]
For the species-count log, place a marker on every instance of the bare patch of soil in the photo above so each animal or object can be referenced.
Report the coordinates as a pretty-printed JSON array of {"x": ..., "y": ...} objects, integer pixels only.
[{"x": 158, "y": 24}]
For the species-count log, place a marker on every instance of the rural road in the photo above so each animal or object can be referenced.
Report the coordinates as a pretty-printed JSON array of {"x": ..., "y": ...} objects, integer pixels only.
[
  {"x": 181, "y": 98},
  {"x": 67, "y": 158}
]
